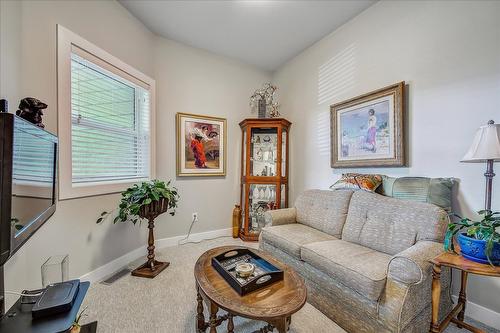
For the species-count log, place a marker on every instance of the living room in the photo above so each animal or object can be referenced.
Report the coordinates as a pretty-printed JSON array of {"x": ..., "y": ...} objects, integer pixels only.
[{"x": 265, "y": 85}]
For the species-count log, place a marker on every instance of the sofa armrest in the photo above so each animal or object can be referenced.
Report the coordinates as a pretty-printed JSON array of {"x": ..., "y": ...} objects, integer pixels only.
[
  {"x": 280, "y": 216},
  {"x": 412, "y": 265}
]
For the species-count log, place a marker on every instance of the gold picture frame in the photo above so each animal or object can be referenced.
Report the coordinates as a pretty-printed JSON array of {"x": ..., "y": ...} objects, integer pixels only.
[
  {"x": 368, "y": 130},
  {"x": 201, "y": 145}
]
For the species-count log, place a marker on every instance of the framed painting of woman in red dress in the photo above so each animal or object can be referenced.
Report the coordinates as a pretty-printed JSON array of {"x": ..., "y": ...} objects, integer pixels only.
[{"x": 201, "y": 145}]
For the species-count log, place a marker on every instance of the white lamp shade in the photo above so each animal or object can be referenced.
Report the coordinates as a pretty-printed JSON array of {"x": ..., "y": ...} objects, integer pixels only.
[{"x": 486, "y": 145}]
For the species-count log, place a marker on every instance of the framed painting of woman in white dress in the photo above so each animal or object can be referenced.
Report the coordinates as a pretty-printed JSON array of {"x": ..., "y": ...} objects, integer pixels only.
[{"x": 368, "y": 130}]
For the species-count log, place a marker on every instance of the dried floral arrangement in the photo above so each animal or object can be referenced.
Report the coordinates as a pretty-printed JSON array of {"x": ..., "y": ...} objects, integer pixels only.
[{"x": 263, "y": 99}]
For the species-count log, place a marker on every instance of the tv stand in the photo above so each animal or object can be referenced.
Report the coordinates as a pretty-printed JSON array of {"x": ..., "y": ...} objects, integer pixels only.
[
  {"x": 18, "y": 318},
  {"x": 2, "y": 293}
]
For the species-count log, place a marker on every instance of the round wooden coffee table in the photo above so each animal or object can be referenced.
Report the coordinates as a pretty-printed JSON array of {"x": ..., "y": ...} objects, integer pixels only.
[{"x": 273, "y": 304}]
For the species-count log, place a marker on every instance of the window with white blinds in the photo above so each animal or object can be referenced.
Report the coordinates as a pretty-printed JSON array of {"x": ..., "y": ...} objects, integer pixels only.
[
  {"x": 105, "y": 114},
  {"x": 110, "y": 122}
]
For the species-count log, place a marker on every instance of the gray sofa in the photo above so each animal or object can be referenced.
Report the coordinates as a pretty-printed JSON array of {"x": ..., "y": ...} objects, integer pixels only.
[{"x": 364, "y": 257}]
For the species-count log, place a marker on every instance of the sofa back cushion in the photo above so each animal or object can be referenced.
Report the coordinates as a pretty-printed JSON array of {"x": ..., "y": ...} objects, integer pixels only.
[
  {"x": 324, "y": 210},
  {"x": 392, "y": 225},
  {"x": 437, "y": 191}
]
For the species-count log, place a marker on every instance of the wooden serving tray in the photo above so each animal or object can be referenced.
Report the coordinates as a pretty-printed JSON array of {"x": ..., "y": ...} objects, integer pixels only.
[{"x": 264, "y": 275}]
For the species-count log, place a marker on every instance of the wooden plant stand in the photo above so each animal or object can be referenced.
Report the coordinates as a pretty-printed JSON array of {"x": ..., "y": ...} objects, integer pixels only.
[
  {"x": 152, "y": 267},
  {"x": 465, "y": 266}
]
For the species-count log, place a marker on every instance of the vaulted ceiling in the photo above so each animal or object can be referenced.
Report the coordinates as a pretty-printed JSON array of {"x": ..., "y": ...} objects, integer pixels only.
[{"x": 263, "y": 33}]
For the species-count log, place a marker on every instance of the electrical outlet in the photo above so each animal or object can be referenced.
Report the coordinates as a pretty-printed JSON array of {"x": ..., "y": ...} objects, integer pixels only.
[{"x": 195, "y": 217}]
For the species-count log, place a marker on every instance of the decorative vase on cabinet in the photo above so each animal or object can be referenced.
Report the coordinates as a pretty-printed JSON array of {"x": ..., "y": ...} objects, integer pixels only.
[{"x": 264, "y": 172}]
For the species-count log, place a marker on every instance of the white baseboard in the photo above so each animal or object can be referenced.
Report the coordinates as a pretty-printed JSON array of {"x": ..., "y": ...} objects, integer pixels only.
[
  {"x": 480, "y": 313},
  {"x": 173, "y": 241},
  {"x": 103, "y": 271}
]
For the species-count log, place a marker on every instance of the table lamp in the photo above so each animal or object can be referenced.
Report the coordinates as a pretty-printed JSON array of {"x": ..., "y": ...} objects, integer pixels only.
[{"x": 486, "y": 148}]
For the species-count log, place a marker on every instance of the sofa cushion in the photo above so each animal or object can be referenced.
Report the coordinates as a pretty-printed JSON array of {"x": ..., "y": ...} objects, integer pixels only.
[
  {"x": 391, "y": 225},
  {"x": 290, "y": 237},
  {"x": 437, "y": 191},
  {"x": 357, "y": 267},
  {"x": 324, "y": 210},
  {"x": 358, "y": 181}
]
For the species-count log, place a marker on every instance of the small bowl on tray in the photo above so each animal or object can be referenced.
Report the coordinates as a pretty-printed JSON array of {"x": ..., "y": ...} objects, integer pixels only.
[{"x": 245, "y": 270}]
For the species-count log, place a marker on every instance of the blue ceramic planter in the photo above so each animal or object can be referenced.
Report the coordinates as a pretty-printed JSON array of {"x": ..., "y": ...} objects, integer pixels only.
[{"x": 474, "y": 249}]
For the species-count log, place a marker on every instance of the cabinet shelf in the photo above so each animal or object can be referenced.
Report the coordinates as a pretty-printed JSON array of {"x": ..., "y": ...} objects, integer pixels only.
[{"x": 264, "y": 172}]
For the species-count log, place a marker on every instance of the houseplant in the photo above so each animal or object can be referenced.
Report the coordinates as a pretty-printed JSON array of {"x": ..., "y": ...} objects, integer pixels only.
[
  {"x": 146, "y": 201},
  {"x": 76, "y": 327},
  {"x": 480, "y": 240}
]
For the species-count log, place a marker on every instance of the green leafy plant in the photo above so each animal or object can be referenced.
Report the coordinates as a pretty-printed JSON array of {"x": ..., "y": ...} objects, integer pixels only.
[
  {"x": 76, "y": 324},
  {"x": 488, "y": 229},
  {"x": 140, "y": 195},
  {"x": 15, "y": 223}
]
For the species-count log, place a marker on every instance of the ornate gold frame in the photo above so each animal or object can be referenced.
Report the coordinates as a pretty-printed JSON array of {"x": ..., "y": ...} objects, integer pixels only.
[
  {"x": 399, "y": 160},
  {"x": 178, "y": 117}
]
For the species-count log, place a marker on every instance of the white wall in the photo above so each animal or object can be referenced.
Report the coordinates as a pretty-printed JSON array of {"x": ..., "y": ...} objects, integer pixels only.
[
  {"x": 194, "y": 81},
  {"x": 10, "y": 39},
  {"x": 31, "y": 63},
  {"x": 449, "y": 55},
  {"x": 188, "y": 80}
]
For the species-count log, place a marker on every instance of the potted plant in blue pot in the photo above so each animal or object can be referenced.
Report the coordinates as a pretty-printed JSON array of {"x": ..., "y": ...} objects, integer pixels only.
[{"x": 479, "y": 241}]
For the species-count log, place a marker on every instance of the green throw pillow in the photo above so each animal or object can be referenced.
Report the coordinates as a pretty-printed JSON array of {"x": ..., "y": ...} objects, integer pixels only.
[{"x": 436, "y": 191}]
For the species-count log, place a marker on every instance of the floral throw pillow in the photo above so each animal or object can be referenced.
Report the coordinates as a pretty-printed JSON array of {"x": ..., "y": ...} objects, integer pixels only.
[{"x": 358, "y": 181}]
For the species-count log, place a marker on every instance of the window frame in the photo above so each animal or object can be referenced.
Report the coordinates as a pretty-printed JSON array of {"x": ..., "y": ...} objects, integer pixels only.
[{"x": 66, "y": 41}]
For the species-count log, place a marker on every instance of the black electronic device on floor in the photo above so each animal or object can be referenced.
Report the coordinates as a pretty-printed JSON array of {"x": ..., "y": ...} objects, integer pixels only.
[{"x": 56, "y": 298}]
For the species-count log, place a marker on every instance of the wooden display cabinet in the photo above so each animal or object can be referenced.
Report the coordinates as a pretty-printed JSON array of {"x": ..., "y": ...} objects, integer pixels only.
[{"x": 264, "y": 172}]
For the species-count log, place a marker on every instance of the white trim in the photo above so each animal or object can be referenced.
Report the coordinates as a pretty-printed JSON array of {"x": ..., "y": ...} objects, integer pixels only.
[
  {"x": 100, "y": 273},
  {"x": 119, "y": 73},
  {"x": 105, "y": 270},
  {"x": 65, "y": 40},
  {"x": 480, "y": 313}
]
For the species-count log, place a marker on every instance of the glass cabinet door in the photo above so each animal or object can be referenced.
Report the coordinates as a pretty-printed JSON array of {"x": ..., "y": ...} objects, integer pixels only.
[
  {"x": 244, "y": 152},
  {"x": 283, "y": 153},
  {"x": 283, "y": 195},
  {"x": 263, "y": 152},
  {"x": 261, "y": 198}
]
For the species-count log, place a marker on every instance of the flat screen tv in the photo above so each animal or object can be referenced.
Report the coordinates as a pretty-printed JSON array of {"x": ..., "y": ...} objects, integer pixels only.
[{"x": 28, "y": 156}]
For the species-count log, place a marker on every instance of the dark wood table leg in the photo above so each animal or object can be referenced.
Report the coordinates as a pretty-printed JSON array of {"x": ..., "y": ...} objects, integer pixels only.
[
  {"x": 213, "y": 317},
  {"x": 266, "y": 329},
  {"x": 462, "y": 298},
  {"x": 230, "y": 324},
  {"x": 436, "y": 295},
  {"x": 281, "y": 325},
  {"x": 200, "y": 318}
]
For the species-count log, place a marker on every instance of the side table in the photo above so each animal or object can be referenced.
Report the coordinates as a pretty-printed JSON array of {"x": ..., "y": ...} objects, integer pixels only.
[
  {"x": 18, "y": 319},
  {"x": 274, "y": 304},
  {"x": 465, "y": 266}
]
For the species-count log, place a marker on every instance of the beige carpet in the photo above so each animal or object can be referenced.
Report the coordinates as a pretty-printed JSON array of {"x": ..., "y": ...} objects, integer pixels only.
[{"x": 167, "y": 303}]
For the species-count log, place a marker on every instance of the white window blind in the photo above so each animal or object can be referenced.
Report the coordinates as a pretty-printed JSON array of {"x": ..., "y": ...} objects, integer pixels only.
[{"x": 110, "y": 123}]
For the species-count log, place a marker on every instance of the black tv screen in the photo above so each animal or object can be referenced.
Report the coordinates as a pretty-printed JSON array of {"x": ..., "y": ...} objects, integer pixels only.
[{"x": 28, "y": 178}]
